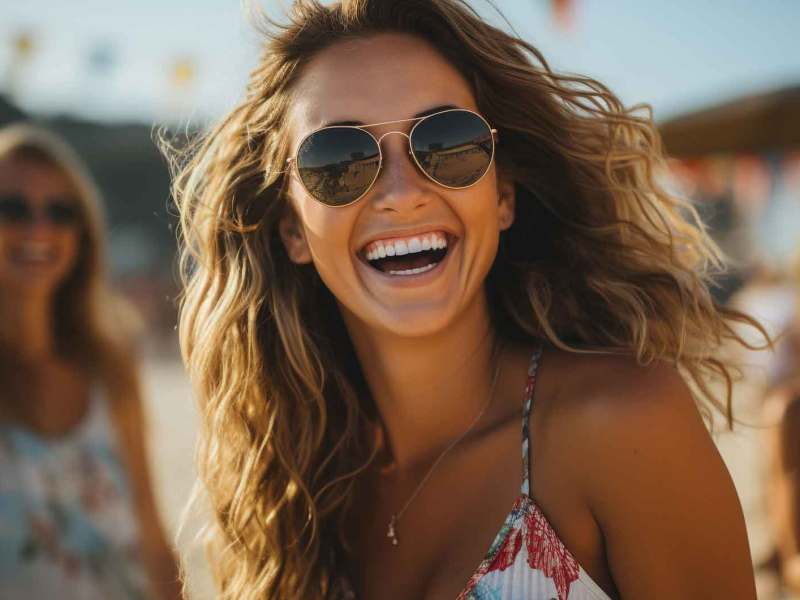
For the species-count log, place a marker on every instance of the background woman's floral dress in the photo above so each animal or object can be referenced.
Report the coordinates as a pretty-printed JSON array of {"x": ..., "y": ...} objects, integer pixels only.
[{"x": 67, "y": 526}]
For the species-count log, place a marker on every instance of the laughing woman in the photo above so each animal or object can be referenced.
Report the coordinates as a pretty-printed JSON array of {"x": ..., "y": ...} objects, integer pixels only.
[
  {"x": 443, "y": 322},
  {"x": 78, "y": 520}
]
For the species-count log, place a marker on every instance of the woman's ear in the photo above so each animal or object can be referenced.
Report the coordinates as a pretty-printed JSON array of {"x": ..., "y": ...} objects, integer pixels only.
[
  {"x": 293, "y": 237},
  {"x": 506, "y": 199}
]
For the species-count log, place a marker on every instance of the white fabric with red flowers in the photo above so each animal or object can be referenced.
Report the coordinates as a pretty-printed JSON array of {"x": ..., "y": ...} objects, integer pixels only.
[{"x": 527, "y": 560}]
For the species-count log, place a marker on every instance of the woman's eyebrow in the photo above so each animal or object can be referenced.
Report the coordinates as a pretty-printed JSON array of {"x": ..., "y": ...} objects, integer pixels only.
[{"x": 424, "y": 113}]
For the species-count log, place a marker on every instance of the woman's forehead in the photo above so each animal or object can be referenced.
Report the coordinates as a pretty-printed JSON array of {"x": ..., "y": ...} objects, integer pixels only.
[
  {"x": 381, "y": 78},
  {"x": 17, "y": 171}
]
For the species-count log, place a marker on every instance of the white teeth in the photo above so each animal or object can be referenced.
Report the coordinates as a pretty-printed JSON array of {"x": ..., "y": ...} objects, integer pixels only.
[
  {"x": 414, "y": 271},
  {"x": 400, "y": 247}
]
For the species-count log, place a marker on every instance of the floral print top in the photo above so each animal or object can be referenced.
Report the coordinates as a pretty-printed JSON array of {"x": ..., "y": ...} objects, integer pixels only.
[
  {"x": 527, "y": 560},
  {"x": 67, "y": 526}
]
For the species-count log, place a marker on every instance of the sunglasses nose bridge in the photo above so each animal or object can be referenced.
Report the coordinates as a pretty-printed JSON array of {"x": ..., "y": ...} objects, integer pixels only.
[
  {"x": 388, "y": 133},
  {"x": 38, "y": 218},
  {"x": 399, "y": 187},
  {"x": 407, "y": 145},
  {"x": 403, "y": 133}
]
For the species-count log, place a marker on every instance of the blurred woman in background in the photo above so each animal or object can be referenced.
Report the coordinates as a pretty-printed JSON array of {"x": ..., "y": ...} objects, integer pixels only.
[{"x": 77, "y": 515}]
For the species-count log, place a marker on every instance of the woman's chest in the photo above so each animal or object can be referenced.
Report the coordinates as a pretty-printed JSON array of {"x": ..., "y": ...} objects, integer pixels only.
[
  {"x": 50, "y": 401},
  {"x": 445, "y": 529},
  {"x": 438, "y": 548},
  {"x": 448, "y": 530}
]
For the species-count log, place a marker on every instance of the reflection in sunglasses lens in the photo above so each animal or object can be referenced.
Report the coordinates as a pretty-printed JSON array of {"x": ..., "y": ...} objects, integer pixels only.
[
  {"x": 454, "y": 148},
  {"x": 338, "y": 164}
]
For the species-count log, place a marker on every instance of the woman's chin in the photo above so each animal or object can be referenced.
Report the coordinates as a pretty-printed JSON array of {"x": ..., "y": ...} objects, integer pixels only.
[
  {"x": 416, "y": 326},
  {"x": 404, "y": 320},
  {"x": 31, "y": 281}
]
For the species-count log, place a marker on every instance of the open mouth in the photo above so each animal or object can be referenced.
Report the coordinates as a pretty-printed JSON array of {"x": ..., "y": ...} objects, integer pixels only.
[{"x": 408, "y": 256}]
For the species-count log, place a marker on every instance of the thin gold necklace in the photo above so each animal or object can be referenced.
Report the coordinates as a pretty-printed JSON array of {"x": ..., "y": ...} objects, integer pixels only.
[{"x": 391, "y": 532}]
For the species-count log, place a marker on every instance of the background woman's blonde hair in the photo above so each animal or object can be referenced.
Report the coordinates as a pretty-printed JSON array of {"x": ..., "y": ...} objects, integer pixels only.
[
  {"x": 600, "y": 258},
  {"x": 91, "y": 324}
]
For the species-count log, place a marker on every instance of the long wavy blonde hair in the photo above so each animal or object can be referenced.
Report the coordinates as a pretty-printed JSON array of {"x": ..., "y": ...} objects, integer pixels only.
[
  {"x": 600, "y": 257},
  {"x": 92, "y": 325}
]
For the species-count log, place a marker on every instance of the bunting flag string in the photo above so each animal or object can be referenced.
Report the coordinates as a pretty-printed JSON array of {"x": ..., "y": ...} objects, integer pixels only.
[
  {"x": 23, "y": 47},
  {"x": 182, "y": 72},
  {"x": 181, "y": 79},
  {"x": 563, "y": 12}
]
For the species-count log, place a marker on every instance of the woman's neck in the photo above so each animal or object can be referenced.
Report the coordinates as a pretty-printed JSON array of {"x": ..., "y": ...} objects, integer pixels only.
[
  {"x": 428, "y": 391},
  {"x": 26, "y": 326}
]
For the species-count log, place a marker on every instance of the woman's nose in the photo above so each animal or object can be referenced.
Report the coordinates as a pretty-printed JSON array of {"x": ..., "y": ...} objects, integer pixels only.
[
  {"x": 400, "y": 187},
  {"x": 39, "y": 225}
]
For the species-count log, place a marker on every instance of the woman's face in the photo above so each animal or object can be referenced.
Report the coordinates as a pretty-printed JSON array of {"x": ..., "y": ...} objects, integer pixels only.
[
  {"x": 388, "y": 77},
  {"x": 38, "y": 238}
]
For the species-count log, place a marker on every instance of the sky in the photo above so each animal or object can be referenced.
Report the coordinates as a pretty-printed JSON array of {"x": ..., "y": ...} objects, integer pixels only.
[{"x": 115, "y": 60}]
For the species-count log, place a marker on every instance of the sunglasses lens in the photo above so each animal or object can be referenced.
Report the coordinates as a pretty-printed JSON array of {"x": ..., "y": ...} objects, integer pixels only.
[
  {"x": 61, "y": 213},
  {"x": 338, "y": 164},
  {"x": 454, "y": 148},
  {"x": 14, "y": 209}
]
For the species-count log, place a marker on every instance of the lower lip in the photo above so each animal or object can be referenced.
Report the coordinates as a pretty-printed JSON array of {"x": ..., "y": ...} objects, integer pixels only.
[{"x": 416, "y": 280}]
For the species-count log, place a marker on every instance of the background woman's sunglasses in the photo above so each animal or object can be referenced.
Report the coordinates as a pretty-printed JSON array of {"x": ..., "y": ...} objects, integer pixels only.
[
  {"x": 16, "y": 210},
  {"x": 337, "y": 165}
]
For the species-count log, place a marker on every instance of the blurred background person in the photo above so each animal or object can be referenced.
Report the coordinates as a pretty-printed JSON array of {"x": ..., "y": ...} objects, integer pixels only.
[
  {"x": 77, "y": 514},
  {"x": 782, "y": 485}
]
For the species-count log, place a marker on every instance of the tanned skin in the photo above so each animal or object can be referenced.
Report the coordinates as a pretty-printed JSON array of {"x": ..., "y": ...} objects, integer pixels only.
[{"x": 622, "y": 464}]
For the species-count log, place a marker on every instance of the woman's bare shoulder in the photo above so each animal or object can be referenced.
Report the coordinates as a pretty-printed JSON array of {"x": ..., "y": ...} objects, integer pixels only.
[
  {"x": 611, "y": 408},
  {"x": 592, "y": 387},
  {"x": 650, "y": 471},
  {"x": 615, "y": 410}
]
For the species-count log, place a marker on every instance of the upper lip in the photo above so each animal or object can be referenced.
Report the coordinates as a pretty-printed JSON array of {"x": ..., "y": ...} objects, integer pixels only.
[{"x": 403, "y": 233}]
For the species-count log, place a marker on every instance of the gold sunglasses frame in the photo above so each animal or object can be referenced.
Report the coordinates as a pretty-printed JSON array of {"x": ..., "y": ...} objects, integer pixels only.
[{"x": 292, "y": 161}]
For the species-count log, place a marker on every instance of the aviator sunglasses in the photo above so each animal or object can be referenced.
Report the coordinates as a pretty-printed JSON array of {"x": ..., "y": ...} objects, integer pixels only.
[
  {"x": 16, "y": 210},
  {"x": 338, "y": 164}
]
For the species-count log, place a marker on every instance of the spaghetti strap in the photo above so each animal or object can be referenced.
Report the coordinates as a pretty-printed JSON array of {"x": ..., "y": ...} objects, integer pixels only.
[{"x": 526, "y": 411}]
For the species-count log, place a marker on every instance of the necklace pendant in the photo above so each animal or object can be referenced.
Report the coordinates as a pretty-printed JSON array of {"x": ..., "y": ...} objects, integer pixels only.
[{"x": 392, "y": 533}]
